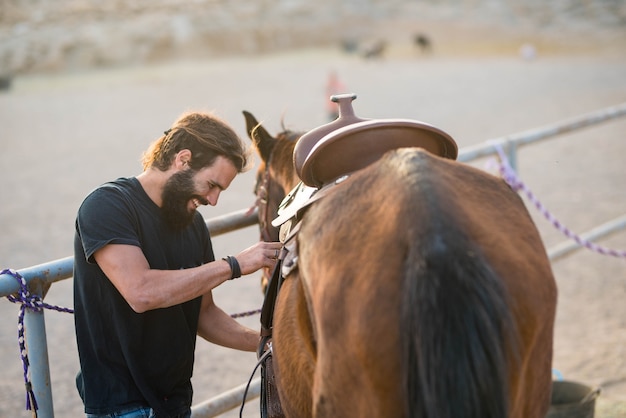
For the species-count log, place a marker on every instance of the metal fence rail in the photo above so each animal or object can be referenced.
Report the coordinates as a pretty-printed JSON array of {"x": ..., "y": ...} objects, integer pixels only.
[{"x": 40, "y": 277}]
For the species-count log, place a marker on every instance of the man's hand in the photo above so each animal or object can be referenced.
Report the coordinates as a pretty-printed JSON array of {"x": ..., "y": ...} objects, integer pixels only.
[{"x": 262, "y": 254}]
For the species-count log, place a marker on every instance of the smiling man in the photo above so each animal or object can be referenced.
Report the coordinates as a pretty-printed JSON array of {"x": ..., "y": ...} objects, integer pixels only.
[{"x": 144, "y": 271}]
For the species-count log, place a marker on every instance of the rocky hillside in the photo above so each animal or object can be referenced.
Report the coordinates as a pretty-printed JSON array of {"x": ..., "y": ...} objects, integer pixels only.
[{"x": 58, "y": 35}]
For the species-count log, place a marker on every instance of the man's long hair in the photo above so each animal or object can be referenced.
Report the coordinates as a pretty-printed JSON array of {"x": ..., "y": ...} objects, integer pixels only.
[{"x": 205, "y": 135}]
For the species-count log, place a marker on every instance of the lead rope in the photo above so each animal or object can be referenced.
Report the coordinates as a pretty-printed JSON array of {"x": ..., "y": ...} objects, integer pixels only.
[
  {"x": 35, "y": 304},
  {"x": 509, "y": 175}
]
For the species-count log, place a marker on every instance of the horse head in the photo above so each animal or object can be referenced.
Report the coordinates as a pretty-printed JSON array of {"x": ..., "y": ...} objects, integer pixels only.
[{"x": 275, "y": 177}]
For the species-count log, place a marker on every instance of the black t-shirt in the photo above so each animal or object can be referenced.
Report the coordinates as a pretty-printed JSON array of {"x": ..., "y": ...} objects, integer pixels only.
[{"x": 129, "y": 359}]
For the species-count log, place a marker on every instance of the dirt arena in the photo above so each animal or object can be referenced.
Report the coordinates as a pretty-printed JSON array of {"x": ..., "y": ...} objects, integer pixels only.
[{"x": 63, "y": 135}]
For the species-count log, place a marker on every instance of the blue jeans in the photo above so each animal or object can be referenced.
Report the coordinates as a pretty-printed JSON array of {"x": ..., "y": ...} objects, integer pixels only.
[{"x": 140, "y": 412}]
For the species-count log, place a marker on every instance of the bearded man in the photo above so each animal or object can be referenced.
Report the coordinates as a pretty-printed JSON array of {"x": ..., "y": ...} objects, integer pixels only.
[{"x": 144, "y": 271}]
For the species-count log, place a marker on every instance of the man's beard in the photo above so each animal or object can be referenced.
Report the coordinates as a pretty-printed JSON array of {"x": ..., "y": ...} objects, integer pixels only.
[{"x": 177, "y": 192}]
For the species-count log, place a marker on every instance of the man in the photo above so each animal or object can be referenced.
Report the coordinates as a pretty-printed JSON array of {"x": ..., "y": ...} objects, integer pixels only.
[{"x": 144, "y": 270}]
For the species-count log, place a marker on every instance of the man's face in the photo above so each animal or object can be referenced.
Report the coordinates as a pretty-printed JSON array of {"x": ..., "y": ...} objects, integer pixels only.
[{"x": 187, "y": 189}]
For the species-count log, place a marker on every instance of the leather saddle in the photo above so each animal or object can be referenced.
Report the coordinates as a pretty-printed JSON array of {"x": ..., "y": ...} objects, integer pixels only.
[
  {"x": 350, "y": 143},
  {"x": 328, "y": 154}
]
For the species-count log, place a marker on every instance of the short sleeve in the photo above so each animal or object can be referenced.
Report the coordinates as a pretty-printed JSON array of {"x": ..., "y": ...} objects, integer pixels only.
[{"x": 105, "y": 217}]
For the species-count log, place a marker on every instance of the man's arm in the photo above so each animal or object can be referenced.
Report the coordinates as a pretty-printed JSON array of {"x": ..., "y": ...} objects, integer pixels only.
[
  {"x": 217, "y": 327},
  {"x": 145, "y": 288}
]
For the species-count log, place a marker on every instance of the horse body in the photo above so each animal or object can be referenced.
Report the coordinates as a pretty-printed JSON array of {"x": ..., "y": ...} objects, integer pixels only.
[{"x": 422, "y": 289}]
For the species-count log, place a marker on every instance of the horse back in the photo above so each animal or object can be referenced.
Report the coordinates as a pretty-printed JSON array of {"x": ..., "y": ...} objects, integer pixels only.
[{"x": 429, "y": 294}]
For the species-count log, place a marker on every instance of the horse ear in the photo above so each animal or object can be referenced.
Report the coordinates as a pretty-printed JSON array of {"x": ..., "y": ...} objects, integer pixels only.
[{"x": 263, "y": 141}]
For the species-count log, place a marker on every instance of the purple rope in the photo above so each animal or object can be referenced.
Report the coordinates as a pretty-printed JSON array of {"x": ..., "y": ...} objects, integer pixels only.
[
  {"x": 509, "y": 175},
  {"x": 35, "y": 304},
  {"x": 248, "y": 313}
]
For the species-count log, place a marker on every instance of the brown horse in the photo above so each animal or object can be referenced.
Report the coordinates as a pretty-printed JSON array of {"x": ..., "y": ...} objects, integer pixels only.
[{"x": 421, "y": 288}]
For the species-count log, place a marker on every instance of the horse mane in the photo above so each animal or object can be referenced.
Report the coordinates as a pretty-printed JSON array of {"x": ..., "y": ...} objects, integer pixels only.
[{"x": 282, "y": 159}]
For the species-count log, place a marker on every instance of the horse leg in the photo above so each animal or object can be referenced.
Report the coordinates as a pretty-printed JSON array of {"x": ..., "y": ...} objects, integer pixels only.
[
  {"x": 354, "y": 303},
  {"x": 534, "y": 379},
  {"x": 532, "y": 396}
]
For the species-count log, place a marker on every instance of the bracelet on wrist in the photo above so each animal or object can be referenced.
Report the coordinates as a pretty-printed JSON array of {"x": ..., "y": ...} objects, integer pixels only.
[{"x": 234, "y": 267}]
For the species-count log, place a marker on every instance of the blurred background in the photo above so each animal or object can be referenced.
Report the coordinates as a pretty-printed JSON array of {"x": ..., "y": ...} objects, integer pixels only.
[
  {"x": 85, "y": 86},
  {"x": 39, "y": 35}
]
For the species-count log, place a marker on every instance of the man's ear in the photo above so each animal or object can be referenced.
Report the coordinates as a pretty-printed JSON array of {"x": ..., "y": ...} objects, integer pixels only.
[{"x": 182, "y": 159}]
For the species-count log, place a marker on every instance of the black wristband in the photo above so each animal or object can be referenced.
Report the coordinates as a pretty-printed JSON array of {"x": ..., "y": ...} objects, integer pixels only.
[{"x": 234, "y": 267}]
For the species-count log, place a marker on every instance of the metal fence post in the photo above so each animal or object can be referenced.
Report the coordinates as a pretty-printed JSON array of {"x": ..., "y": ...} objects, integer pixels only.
[
  {"x": 511, "y": 154},
  {"x": 37, "y": 346}
]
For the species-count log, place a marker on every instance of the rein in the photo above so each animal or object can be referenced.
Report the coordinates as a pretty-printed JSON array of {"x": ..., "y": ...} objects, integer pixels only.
[{"x": 258, "y": 364}]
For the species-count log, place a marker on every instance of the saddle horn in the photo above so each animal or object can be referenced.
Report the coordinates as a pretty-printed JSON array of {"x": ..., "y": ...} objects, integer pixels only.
[{"x": 308, "y": 140}]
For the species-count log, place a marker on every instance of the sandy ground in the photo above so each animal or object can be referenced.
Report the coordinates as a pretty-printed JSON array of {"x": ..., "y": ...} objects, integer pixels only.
[{"x": 64, "y": 135}]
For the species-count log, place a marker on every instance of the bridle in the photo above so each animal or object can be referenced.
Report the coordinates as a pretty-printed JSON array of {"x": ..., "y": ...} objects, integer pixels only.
[
  {"x": 263, "y": 193},
  {"x": 262, "y": 196},
  {"x": 268, "y": 232}
]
